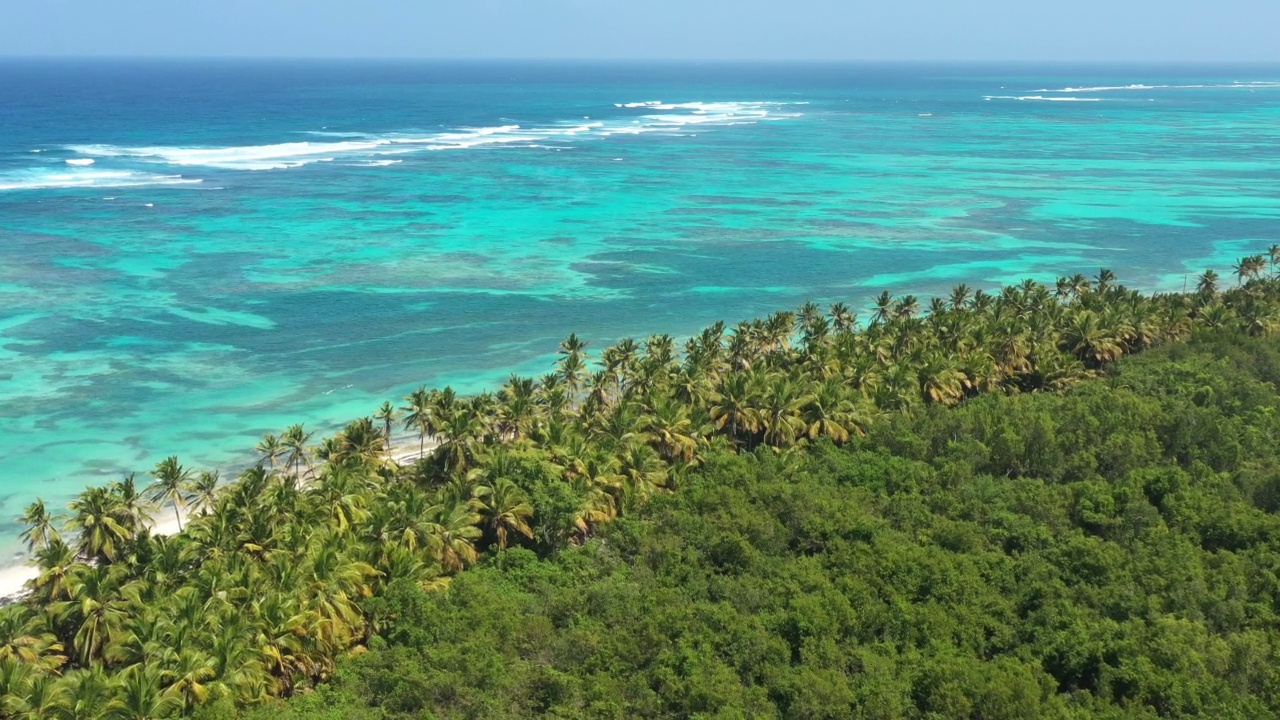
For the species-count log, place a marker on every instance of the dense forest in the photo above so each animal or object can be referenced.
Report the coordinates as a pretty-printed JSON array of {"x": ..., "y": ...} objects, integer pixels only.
[{"x": 801, "y": 516}]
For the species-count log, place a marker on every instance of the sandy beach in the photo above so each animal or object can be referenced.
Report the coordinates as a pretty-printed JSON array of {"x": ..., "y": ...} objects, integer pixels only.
[{"x": 405, "y": 450}]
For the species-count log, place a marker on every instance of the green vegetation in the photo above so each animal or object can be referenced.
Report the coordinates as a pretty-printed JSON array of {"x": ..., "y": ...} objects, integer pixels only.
[{"x": 786, "y": 520}]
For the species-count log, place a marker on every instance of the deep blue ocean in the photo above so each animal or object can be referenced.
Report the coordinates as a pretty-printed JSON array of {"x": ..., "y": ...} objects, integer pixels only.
[{"x": 195, "y": 253}]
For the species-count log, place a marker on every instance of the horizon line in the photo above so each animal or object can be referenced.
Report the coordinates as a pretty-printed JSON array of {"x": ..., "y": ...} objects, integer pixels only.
[{"x": 634, "y": 60}]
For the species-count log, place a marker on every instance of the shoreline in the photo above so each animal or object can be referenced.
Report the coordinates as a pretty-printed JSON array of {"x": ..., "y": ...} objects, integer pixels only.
[{"x": 14, "y": 576}]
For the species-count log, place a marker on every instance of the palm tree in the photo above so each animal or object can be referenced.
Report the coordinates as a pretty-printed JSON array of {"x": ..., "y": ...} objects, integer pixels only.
[
  {"x": 1086, "y": 338},
  {"x": 940, "y": 380},
  {"x": 1249, "y": 268},
  {"x": 1208, "y": 283},
  {"x": 571, "y": 366},
  {"x": 506, "y": 509},
  {"x": 387, "y": 414},
  {"x": 170, "y": 486},
  {"x": 204, "y": 492},
  {"x": 733, "y": 409},
  {"x": 295, "y": 440},
  {"x": 518, "y": 408},
  {"x": 642, "y": 471},
  {"x": 883, "y": 309},
  {"x": 23, "y": 639},
  {"x": 100, "y": 523},
  {"x": 829, "y": 413},
  {"x": 134, "y": 505},
  {"x": 460, "y": 435},
  {"x": 38, "y": 527},
  {"x": 44, "y": 696},
  {"x": 98, "y": 609},
  {"x": 90, "y": 693},
  {"x": 842, "y": 318},
  {"x": 188, "y": 678},
  {"x": 670, "y": 429},
  {"x": 270, "y": 449},
  {"x": 453, "y": 536},
  {"x": 140, "y": 696},
  {"x": 57, "y": 562},
  {"x": 781, "y": 411},
  {"x": 419, "y": 416}
]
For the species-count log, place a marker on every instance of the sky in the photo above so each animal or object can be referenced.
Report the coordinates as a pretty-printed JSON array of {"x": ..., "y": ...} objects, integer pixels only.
[{"x": 978, "y": 30}]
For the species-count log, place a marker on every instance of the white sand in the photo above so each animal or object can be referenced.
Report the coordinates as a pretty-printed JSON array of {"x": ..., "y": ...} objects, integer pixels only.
[
  {"x": 13, "y": 578},
  {"x": 13, "y": 581}
]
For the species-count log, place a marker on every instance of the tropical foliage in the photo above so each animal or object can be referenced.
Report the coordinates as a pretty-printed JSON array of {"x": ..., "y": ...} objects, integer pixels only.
[{"x": 323, "y": 550}]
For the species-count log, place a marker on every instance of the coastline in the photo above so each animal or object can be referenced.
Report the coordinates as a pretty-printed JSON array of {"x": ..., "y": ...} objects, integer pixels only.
[{"x": 14, "y": 577}]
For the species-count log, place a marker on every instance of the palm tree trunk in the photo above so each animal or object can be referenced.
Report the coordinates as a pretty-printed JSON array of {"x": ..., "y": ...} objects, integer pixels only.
[{"x": 177, "y": 515}]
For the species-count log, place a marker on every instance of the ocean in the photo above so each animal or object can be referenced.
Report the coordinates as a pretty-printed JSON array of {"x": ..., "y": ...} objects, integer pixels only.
[{"x": 196, "y": 253}]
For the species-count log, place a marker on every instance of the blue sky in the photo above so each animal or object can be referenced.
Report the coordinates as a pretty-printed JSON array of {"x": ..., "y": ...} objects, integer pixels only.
[{"x": 1086, "y": 30}]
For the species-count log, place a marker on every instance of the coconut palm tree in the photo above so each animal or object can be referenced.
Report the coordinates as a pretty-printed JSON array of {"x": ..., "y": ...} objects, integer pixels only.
[
  {"x": 97, "y": 609},
  {"x": 419, "y": 416},
  {"x": 270, "y": 450},
  {"x": 386, "y": 414},
  {"x": 57, "y": 561},
  {"x": 90, "y": 692},
  {"x": 1088, "y": 339},
  {"x": 170, "y": 486},
  {"x": 1208, "y": 283},
  {"x": 460, "y": 437},
  {"x": 643, "y": 472},
  {"x": 43, "y": 696},
  {"x": 733, "y": 409},
  {"x": 670, "y": 429},
  {"x": 842, "y": 318},
  {"x": 141, "y": 696},
  {"x": 506, "y": 509},
  {"x": 781, "y": 410},
  {"x": 204, "y": 492},
  {"x": 453, "y": 535},
  {"x": 1104, "y": 280},
  {"x": 294, "y": 440},
  {"x": 133, "y": 503},
  {"x": 39, "y": 528},
  {"x": 100, "y": 523},
  {"x": 829, "y": 413},
  {"x": 188, "y": 677},
  {"x": 22, "y": 638},
  {"x": 941, "y": 381}
]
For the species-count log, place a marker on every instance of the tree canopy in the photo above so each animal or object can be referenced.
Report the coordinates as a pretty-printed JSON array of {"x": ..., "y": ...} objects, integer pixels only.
[{"x": 800, "y": 516}]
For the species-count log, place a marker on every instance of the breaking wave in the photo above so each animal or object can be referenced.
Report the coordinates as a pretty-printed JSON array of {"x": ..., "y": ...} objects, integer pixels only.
[
  {"x": 1251, "y": 85},
  {"x": 41, "y": 179},
  {"x": 652, "y": 117},
  {"x": 1040, "y": 98}
]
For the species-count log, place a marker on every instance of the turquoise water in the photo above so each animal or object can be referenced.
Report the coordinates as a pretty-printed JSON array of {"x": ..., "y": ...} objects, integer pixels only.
[{"x": 259, "y": 244}]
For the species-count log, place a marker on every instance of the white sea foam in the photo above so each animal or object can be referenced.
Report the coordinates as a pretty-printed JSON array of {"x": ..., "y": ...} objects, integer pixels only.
[
  {"x": 1039, "y": 98},
  {"x": 379, "y": 163},
  {"x": 657, "y": 117},
  {"x": 328, "y": 133},
  {"x": 251, "y": 157},
  {"x": 41, "y": 179},
  {"x": 1248, "y": 85},
  {"x": 81, "y": 162}
]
